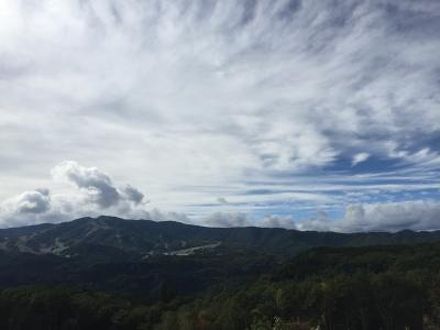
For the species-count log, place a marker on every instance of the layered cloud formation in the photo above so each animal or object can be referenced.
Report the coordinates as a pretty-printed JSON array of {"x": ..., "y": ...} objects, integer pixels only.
[
  {"x": 234, "y": 111},
  {"x": 412, "y": 215},
  {"x": 96, "y": 194}
]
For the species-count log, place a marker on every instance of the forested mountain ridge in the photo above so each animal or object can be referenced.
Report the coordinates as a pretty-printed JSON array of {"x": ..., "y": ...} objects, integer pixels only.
[
  {"x": 140, "y": 238},
  {"x": 365, "y": 288},
  {"x": 109, "y": 273}
]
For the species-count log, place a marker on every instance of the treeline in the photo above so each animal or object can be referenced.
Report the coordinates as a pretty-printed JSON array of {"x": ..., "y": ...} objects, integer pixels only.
[
  {"x": 389, "y": 288},
  {"x": 45, "y": 308},
  {"x": 362, "y": 301}
]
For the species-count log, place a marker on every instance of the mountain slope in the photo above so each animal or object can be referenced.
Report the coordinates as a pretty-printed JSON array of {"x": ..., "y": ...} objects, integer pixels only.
[{"x": 141, "y": 238}]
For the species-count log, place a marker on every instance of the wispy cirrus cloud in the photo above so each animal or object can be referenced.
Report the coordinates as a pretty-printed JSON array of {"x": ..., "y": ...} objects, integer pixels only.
[
  {"x": 95, "y": 193},
  {"x": 318, "y": 103}
]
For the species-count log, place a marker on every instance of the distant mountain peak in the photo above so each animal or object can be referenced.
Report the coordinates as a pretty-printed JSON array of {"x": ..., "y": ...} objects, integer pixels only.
[{"x": 142, "y": 237}]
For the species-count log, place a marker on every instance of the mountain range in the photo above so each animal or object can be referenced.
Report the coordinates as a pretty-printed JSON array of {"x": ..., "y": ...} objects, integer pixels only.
[
  {"x": 139, "y": 239},
  {"x": 111, "y": 273}
]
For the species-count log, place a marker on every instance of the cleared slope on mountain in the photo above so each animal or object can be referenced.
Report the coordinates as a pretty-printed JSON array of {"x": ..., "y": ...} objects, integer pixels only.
[{"x": 142, "y": 237}]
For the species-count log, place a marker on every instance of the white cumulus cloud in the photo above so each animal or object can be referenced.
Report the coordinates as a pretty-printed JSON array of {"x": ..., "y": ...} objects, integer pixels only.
[{"x": 393, "y": 216}]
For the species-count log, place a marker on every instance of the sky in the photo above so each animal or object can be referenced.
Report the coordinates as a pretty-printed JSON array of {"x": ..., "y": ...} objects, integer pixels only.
[{"x": 309, "y": 115}]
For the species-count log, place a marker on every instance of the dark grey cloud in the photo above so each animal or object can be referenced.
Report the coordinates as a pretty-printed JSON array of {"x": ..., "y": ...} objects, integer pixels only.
[
  {"x": 133, "y": 194},
  {"x": 97, "y": 184}
]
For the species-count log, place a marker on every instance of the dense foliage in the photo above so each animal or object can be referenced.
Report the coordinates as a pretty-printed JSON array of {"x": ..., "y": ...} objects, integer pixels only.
[{"x": 394, "y": 287}]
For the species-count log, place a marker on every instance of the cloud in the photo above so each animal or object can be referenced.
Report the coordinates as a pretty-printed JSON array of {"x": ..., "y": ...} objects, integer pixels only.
[
  {"x": 25, "y": 208},
  {"x": 134, "y": 195},
  {"x": 39, "y": 205},
  {"x": 222, "y": 97},
  {"x": 274, "y": 221},
  {"x": 29, "y": 202},
  {"x": 94, "y": 193},
  {"x": 413, "y": 215},
  {"x": 233, "y": 219},
  {"x": 359, "y": 158},
  {"x": 96, "y": 183}
]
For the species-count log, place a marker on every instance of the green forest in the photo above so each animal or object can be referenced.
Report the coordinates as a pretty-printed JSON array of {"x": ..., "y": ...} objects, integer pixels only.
[{"x": 379, "y": 287}]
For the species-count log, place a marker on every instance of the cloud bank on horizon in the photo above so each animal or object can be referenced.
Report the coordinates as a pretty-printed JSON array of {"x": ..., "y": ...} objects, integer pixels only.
[{"x": 288, "y": 113}]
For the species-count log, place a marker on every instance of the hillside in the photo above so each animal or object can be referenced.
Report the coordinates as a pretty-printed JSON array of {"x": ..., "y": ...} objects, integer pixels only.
[
  {"x": 110, "y": 273},
  {"x": 139, "y": 239},
  {"x": 368, "y": 288}
]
